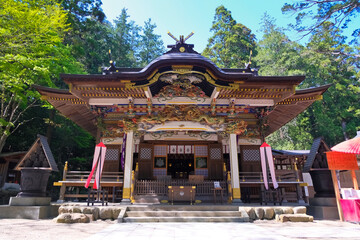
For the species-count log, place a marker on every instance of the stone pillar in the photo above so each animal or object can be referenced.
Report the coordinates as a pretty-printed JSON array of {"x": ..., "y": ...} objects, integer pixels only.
[
  {"x": 129, "y": 151},
  {"x": 234, "y": 167}
]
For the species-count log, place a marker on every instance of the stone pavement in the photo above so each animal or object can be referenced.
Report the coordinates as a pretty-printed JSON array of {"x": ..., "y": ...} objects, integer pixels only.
[
  {"x": 264, "y": 230},
  {"x": 16, "y": 229}
]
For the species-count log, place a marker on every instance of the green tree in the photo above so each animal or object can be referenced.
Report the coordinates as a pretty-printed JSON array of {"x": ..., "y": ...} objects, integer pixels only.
[
  {"x": 31, "y": 51},
  {"x": 90, "y": 35},
  {"x": 336, "y": 117},
  {"x": 277, "y": 55},
  {"x": 126, "y": 41},
  {"x": 231, "y": 43},
  {"x": 339, "y": 12},
  {"x": 151, "y": 45}
]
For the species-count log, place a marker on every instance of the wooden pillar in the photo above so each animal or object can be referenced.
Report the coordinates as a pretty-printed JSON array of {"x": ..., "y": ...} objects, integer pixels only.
[
  {"x": 354, "y": 180},
  {"x": 129, "y": 150},
  {"x": 234, "y": 167},
  {"x": 63, "y": 186},
  {"x": 337, "y": 194}
]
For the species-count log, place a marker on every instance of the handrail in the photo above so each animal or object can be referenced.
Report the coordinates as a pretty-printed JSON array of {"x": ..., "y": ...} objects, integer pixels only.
[
  {"x": 281, "y": 175},
  {"x": 87, "y": 172},
  {"x": 83, "y": 175}
]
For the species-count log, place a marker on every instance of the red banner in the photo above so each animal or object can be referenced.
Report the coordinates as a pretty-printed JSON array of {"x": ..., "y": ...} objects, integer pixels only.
[{"x": 341, "y": 161}]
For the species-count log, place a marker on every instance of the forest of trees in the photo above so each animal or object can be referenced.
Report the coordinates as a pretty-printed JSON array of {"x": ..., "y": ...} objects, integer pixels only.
[{"x": 39, "y": 39}]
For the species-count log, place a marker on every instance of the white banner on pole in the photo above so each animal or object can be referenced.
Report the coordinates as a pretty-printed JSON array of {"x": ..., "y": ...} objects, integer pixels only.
[
  {"x": 267, "y": 158},
  {"x": 263, "y": 166}
]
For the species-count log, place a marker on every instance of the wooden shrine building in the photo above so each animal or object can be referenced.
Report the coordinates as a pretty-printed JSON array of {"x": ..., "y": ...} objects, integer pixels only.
[{"x": 182, "y": 115}]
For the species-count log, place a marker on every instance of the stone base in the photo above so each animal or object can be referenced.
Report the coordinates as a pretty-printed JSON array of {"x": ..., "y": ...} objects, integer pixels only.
[
  {"x": 29, "y": 201},
  {"x": 323, "y": 212},
  {"x": 323, "y": 208},
  {"x": 237, "y": 201},
  {"x": 29, "y": 212},
  {"x": 321, "y": 201},
  {"x": 125, "y": 201}
]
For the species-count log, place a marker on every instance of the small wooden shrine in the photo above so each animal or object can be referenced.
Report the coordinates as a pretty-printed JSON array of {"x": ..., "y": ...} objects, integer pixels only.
[{"x": 182, "y": 115}]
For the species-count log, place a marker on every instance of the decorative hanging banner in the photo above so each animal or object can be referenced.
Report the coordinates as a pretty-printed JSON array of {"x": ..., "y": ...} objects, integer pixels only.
[
  {"x": 267, "y": 157},
  {"x": 90, "y": 175},
  {"x": 98, "y": 163},
  {"x": 100, "y": 166},
  {"x": 122, "y": 160},
  {"x": 271, "y": 166},
  {"x": 263, "y": 167}
]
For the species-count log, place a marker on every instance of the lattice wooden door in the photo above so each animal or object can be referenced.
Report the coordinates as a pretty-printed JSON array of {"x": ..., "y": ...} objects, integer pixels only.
[
  {"x": 112, "y": 158},
  {"x": 145, "y": 161},
  {"x": 250, "y": 158},
  {"x": 215, "y": 161}
]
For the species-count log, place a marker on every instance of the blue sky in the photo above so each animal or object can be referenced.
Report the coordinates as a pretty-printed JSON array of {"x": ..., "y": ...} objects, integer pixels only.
[{"x": 181, "y": 17}]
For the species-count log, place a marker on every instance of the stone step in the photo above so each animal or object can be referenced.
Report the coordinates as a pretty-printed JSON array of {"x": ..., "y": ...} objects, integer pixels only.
[
  {"x": 183, "y": 214},
  {"x": 147, "y": 199},
  {"x": 186, "y": 219},
  {"x": 183, "y": 208}
]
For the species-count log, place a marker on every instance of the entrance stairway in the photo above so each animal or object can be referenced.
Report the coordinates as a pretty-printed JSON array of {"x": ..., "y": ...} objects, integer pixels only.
[{"x": 184, "y": 213}]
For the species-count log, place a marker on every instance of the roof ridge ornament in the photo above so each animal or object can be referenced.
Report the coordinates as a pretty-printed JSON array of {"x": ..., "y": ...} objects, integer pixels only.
[
  {"x": 180, "y": 45},
  {"x": 112, "y": 67}
]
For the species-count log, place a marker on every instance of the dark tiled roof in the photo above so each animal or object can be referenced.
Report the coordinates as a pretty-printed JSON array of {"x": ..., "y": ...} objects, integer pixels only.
[
  {"x": 291, "y": 152},
  {"x": 313, "y": 151},
  {"x": 46, "y": 150},
  {"x": 48, "y": 153}
]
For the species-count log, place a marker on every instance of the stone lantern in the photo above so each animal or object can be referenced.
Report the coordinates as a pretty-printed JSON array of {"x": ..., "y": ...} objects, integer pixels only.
[{"x": 35, "y": 168}]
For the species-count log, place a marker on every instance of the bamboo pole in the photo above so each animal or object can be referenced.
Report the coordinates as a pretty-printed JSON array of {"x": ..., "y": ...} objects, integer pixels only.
[{"x": 337, "y": 194}]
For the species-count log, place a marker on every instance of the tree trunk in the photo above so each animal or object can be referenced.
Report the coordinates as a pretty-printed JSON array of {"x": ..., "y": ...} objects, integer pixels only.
[
  {"x": 2, "y": 141},
  {"x": 50, "y": 127},
  {"x": 343, "y": 126}
]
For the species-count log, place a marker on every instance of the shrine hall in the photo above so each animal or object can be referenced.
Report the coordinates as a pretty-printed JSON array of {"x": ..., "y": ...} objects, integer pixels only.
[{"x": 183, "y": 121}]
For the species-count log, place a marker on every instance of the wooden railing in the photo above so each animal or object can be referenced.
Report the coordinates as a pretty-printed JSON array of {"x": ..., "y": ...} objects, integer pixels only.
[
  {"x": 83, "y": 175},
  {"x": 289, "y": 181},
  {"x": 281, "y": 176},
  {"x": 77, "y": 180},
  {"x": 160, "y": 187}
]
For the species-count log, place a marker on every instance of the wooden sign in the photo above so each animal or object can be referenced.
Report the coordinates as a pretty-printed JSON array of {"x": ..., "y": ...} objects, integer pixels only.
[{"x": 342, "y": 161}]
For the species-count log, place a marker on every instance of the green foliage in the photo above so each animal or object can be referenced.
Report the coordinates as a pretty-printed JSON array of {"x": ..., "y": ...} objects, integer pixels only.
[
  {"x": 90, "y": 36},
  {"x": 31, "y": 52},
  {"x": 126, "y": 38},
  {"x": 70, "y": 142},
  {"x": 293, "y": 136},
  {"x": 276, "y": 54},
  {"x": 38, "y": 41},
  {"x": 339, "y": 12},
  {"x": 336, "y": 116},
  {"x": 231, "y": 43},
  {"x": 151, "y": 45}
]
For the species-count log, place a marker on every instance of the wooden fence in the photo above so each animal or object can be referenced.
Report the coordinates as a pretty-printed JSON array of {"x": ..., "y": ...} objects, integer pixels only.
[{"x": 159, "y": 187}]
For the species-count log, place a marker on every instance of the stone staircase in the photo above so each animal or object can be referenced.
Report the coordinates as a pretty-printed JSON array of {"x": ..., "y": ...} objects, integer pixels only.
[{"x": 184, "y": 213}]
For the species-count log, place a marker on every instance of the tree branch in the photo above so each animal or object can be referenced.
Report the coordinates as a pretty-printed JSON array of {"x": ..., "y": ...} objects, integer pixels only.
[{"x": 21, "y": 123}]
